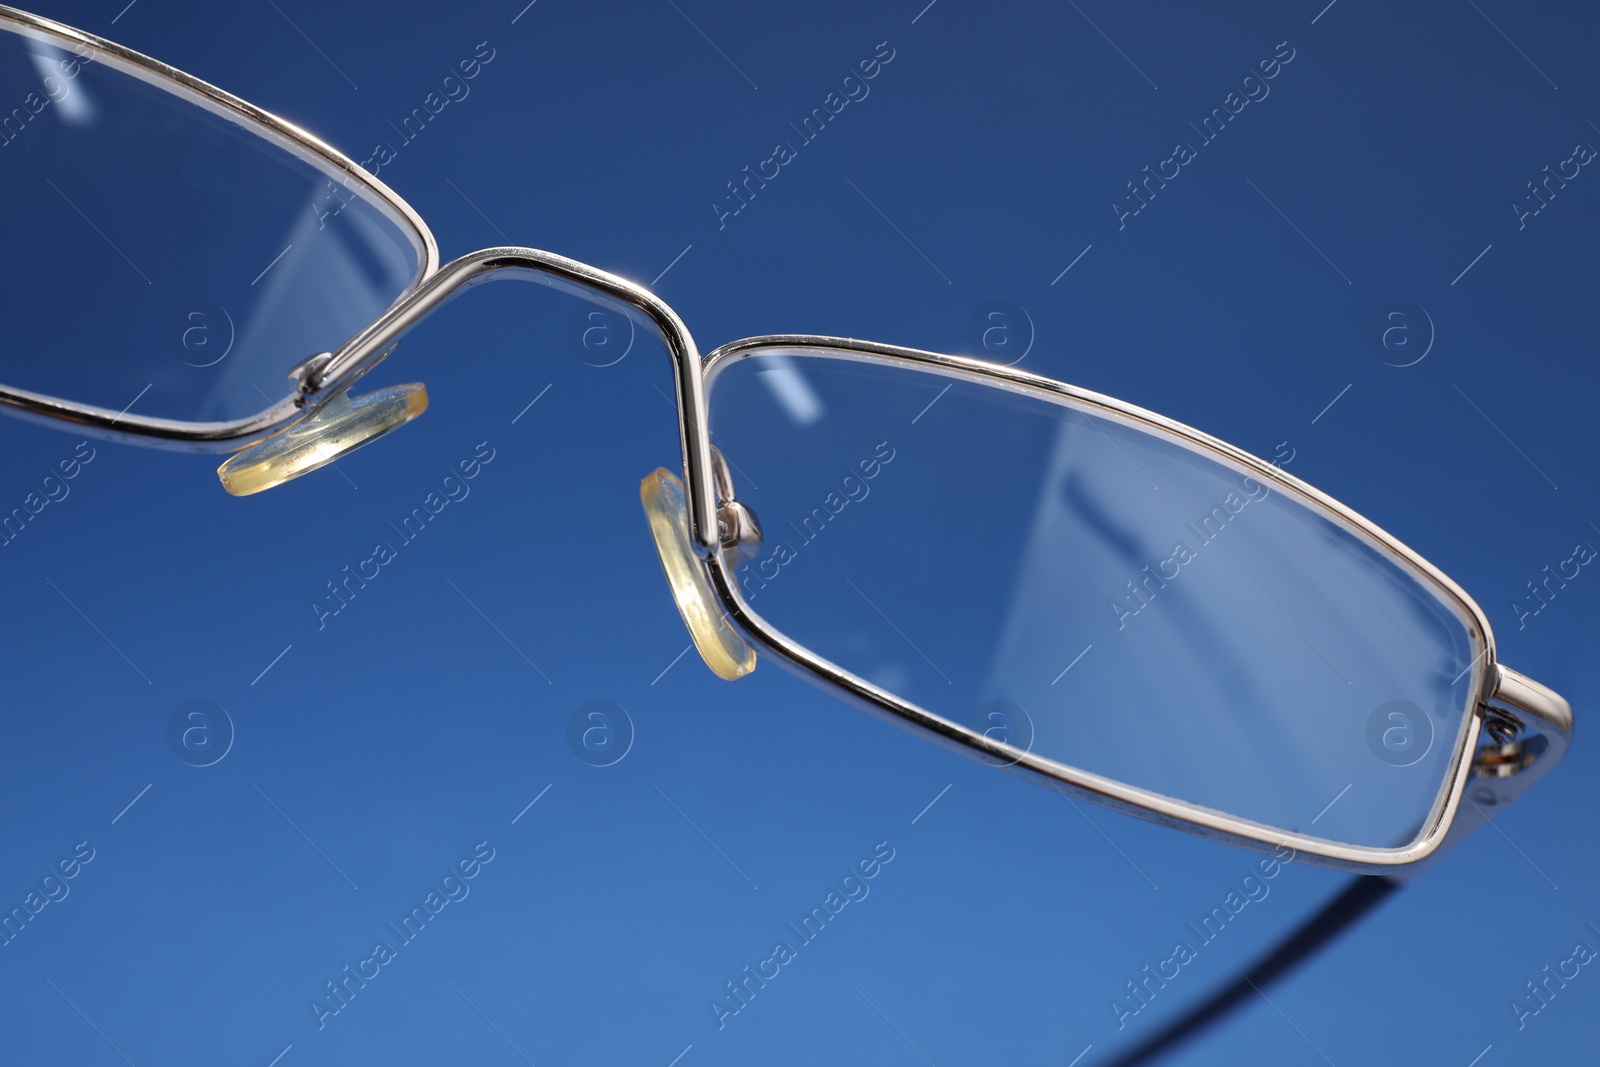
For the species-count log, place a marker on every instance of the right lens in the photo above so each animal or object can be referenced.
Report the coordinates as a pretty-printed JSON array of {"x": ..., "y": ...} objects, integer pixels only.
[
  {"x": 164, "y": 256},
  {"x": 1098, "y": 592}
]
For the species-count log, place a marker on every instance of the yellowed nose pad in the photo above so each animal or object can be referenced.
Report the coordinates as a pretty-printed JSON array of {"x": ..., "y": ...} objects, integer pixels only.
[
  {"x": 342, "y": 425},
  {"x": 727, "y": 654}
]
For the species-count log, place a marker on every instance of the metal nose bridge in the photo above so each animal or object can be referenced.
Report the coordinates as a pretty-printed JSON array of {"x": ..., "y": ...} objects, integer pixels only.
[{"x": 329, "y": 378}]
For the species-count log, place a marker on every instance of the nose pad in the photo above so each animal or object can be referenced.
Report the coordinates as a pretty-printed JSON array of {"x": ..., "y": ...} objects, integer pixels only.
[
  {"x": 727, "y": 654},
  {"x": 342, "y": 425}
]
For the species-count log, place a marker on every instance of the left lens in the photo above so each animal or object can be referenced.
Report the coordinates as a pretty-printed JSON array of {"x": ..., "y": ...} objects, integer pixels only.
[
  {"x": 1099, "y": 593},
  {"x": 165, "y": 255}
]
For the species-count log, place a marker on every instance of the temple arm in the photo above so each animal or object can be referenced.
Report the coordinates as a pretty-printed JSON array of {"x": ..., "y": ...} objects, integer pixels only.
[
  {"x": 1358, "y": 898},
  {"x": 1528, "y": 729}
]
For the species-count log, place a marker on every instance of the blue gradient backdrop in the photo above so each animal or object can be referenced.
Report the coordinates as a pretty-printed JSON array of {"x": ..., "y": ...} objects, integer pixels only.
[{"x": 377, "y": 752}]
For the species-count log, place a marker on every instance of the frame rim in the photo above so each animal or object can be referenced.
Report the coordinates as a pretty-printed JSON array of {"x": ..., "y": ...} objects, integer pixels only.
[
  {"x": 1108, "y": 792},
  {"x": 230, "y": 435}
]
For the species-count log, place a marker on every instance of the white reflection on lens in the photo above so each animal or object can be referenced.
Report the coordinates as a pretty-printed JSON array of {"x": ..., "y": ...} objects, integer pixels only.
[
  {"x": 64, "y": 94},
  {"x": 790, "y": 388}
]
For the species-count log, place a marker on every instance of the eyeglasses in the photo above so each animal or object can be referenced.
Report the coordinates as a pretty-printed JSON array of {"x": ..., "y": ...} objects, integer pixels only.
[{"x": 1053, "y": 581}]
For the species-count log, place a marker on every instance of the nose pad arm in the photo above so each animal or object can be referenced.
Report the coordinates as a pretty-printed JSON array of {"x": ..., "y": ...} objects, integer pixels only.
[{"x": 727, "y": 653}]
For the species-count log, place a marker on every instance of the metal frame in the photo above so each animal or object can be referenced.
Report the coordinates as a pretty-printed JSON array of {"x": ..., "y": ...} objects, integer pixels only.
[
  {"x": 211, "y": 436},
  {"x": 1504, "y": 697},
  {"x": 324, "y": 376},
  {"x": 357, "y": 355},
  {"x": 1492, "y": 683}
]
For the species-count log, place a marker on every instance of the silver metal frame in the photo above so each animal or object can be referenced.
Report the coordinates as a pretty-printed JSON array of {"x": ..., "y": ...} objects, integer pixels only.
[
  {"x": 357, "y": 355},
  {"x": 1501, "y": 692},
  {"x": 212, "y": 436},
  {"x": 323, "y": 377},
  {"x": 1494, "y": 685}
]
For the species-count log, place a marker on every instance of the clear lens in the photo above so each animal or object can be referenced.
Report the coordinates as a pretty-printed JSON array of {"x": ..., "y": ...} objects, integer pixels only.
[
  {"x": 1098, "y": 593},
  {"x": 165, "y": 258}
]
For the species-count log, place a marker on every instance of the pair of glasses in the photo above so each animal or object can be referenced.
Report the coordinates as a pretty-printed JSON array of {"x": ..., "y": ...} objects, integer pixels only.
[{"x": 1063, "y": 585}]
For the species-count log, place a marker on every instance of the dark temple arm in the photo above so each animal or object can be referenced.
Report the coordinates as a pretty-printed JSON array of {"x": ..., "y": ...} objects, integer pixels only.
[{"x": 1342, "y": 912}]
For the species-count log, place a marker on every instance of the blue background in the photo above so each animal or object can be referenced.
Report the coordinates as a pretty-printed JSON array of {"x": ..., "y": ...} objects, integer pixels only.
[{"x": 411, "y": 727}]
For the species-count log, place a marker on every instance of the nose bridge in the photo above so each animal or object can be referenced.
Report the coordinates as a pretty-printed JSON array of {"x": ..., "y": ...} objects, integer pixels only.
[{"x": 358, "y": 354}]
